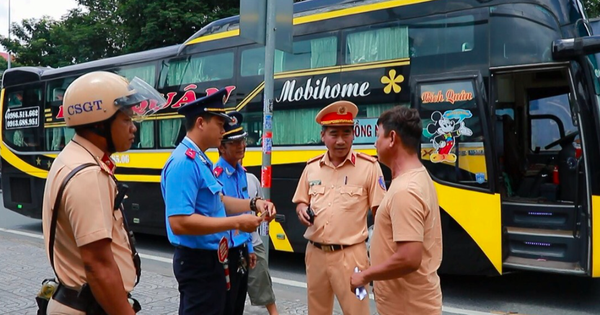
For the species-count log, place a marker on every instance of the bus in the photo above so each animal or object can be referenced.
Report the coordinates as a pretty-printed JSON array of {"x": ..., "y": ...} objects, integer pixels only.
[{"x": 508, "y": 91}]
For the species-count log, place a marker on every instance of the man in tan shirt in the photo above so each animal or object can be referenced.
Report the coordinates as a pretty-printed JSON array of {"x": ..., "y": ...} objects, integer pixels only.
[
  {"x": 91, "y": 245},
  {"x": 406, "y": 248},
  {"x": 340, "y": 187}
]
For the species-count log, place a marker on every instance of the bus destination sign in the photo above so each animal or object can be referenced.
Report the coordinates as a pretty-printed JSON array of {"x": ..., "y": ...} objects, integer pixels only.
[{"x": 19, "y": 118}]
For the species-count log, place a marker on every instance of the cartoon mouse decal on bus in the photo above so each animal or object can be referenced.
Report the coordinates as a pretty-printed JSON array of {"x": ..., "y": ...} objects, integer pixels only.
[{"x": 445, "y": 128}]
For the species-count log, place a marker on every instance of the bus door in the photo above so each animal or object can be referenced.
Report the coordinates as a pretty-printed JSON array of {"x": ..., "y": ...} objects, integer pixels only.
[
  {"x": 456, "y": 149},
  {"x": 540, "y": 175},
  {"x": 22, "y": 138}
]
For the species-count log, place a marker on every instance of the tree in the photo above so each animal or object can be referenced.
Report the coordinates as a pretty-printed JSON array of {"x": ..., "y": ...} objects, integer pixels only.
[
  {"x": 157, "y": 23},
  {"x": 592, "y": 7},
  {"x": 35, "y": 43}
]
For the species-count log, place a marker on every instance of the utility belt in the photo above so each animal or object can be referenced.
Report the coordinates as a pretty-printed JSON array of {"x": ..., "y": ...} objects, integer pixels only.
[
  {"x": 84, "y": 301},
  {"x": 330, "y": 247}
]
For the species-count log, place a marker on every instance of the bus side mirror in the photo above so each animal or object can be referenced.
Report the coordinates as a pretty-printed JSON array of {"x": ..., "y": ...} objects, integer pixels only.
[{"x": 570, "y": 48}]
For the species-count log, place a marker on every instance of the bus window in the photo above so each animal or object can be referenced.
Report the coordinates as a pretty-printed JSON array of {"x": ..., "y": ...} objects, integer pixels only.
[
  {"x": 15, "y": 99},
  {"x": 510, "y": 45},
  {"x": 146, "y": 72},
  {"x": 253, "y": 60},
  {"x": 377, "y": 44},
  {"x": 285, "y": 121},
  {"x": 452, "y": 143},
  {"x": 171, "y": 132},
  {"x": 442, "y": 36},
  {"x": 199, "y": 69},
  {"x": 22, "y": 118},
  {"x": 309, "y": 54},
  {"x": 58, "y": 137},
  {"x": 144, "y": 136},
  {"x": 553, "y": 121}
]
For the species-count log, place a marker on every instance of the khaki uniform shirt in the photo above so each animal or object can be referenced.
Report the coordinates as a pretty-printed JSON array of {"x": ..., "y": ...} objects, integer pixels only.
[
  {"x": 340, "y": 197},
  {"x": 85, "y": 215},
  {"x": 409, "y": 212}
]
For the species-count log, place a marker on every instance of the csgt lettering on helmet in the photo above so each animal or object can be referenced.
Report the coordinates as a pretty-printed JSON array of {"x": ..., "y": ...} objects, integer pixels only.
[{"x": 85, "y": 107}]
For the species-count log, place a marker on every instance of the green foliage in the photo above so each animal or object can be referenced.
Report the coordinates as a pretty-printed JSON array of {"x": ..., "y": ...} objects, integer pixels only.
[
  {"x": 592, "y": 8},
  {"x": 105, "y": 28}
]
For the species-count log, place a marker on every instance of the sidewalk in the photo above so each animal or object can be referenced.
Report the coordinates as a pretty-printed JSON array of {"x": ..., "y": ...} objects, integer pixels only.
[{"x": 24, "y": 265}]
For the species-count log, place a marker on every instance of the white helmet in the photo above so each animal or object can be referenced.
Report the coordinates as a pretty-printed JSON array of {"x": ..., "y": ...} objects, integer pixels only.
[{"x": 97, "y": 96}]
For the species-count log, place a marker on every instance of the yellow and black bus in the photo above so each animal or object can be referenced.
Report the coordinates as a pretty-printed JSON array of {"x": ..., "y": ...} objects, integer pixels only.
[{"x": 508, "y": 92}]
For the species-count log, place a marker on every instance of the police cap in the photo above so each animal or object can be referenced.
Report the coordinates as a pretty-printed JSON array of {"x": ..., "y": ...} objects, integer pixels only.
[
  {"x": 212, "y": 103},
  {"x": 234, "y": 129},
  {"x": 340, "y": 113}
]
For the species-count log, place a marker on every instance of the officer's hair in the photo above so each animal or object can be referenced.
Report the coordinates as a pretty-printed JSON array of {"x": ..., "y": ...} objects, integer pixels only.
[
  {"x": 190, "y": 121},
  {"x": 407, "y": 124}
]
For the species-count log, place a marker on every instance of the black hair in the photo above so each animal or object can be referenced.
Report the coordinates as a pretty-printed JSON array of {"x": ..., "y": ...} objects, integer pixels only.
[
  {"x": 407, "y": 124},
  {"x": 190, "y": 121}
]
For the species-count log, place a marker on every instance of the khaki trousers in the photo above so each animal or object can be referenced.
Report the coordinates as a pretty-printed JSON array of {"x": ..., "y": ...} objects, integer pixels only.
[
  {"x": 56, "y": 308},
  {"x": 328, "y": 274}
]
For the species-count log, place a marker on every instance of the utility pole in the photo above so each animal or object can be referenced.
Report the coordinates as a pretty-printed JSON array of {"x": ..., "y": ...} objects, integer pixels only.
[
  {"x": 9, "y": 56},
  {"x": 267, "y": 141}
]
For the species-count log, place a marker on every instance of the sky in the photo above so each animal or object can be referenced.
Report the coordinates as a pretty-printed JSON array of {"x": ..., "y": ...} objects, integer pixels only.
[{"x": 25, "y": 9}]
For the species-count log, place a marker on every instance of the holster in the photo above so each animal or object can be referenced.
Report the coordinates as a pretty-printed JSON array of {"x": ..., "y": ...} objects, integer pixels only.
[{"x": 84, "y": 301}]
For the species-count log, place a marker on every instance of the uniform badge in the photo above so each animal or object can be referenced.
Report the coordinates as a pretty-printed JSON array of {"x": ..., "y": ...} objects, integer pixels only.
[
  {"x": 190, "y": 153},
  {"x": 218, "y": 171},
  {"x": 382, "y": 183},
  {"x": 314, "y": 182},
  {"x": 353, "y": 159}
]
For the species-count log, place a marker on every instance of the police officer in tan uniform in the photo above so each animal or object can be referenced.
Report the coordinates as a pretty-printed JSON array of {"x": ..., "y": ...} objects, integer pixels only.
[
  {"x": 91, "y": 246},
  {"x": 338, "y": 187}
]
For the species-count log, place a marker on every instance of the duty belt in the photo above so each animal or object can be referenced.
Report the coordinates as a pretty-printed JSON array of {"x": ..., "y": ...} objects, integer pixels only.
[
  {"x": 70, "y": 298},
  {"x": 329, "y": 247}
]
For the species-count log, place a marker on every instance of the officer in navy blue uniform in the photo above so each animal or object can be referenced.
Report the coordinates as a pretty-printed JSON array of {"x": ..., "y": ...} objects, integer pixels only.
[
  {"x": 196, "y": 210},
  {"x": 232, "y": 174}
]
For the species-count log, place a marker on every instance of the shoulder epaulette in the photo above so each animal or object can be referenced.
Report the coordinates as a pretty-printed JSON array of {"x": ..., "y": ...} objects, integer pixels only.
[
  {"x": 316, "y": 158},
  {"x": 367, "y": 157}
]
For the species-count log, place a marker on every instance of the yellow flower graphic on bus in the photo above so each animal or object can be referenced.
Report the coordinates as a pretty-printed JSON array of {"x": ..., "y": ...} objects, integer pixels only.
[{"x": 392, "y": 82}]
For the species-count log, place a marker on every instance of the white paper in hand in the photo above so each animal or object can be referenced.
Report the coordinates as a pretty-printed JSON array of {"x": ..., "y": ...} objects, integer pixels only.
[{"x": 360, "y": 292}]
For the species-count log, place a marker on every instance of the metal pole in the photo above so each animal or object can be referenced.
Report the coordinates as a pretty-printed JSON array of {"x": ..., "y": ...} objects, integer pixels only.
[
  {"x": 267, "y": 144},
  {"x": 9, "y": 57}
]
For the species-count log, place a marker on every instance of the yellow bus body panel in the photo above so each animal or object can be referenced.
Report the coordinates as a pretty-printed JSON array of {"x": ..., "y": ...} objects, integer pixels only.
[
  {"x": 595, "y": 236},
  {"x": 479, "y": 214}
]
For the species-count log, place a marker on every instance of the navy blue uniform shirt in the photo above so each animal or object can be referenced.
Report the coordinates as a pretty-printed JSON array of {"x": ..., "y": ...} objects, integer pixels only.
[
  {"x": 235, "y": 184},
  {"x": 189, "y": 186}
]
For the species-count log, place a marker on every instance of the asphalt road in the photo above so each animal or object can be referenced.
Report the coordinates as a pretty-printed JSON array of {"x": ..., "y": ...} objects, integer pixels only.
[{"x": 516, "y": 293}]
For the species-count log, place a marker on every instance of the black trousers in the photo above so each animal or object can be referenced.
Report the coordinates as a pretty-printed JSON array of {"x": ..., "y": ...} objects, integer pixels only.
[
  {"x": 201, "y": 279},
  {"x": 236, "y": 297}
]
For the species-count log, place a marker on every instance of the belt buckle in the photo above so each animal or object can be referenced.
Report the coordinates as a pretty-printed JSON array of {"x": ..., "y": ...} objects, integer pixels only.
[{"x": 327, "y": 248}]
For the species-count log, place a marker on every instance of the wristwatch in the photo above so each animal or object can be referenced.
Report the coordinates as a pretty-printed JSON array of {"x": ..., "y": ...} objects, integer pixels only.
[{"x": 253, "y": 203}]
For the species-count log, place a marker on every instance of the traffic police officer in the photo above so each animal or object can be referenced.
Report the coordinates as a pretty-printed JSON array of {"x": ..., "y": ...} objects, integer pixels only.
[
  {"x": 91, "y": 248},
  {"x": 196, "y": 210},
  {"x": 232, "y": 175},
  {"x": 338, "y": 187}
]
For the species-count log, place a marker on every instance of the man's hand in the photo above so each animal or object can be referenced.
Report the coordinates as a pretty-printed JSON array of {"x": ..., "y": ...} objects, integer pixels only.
[
  {"x": 357, "y": 280},
  {"x": 266, "y": 207},
  {"x": 253, "y": 260},
  {"x": 302, "y": 215},
  {"x": 248, "y": 222}
]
